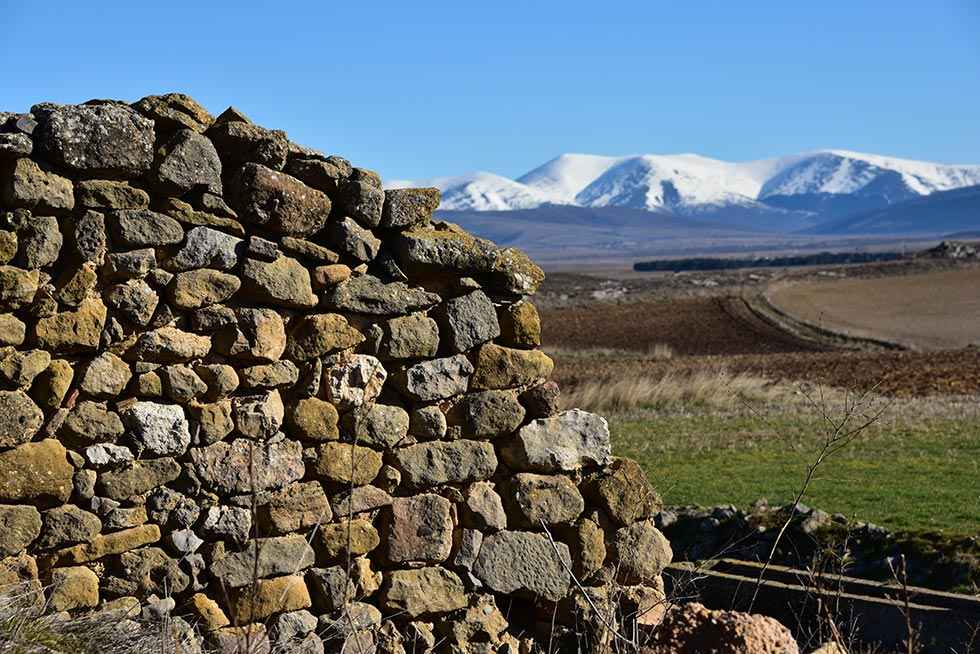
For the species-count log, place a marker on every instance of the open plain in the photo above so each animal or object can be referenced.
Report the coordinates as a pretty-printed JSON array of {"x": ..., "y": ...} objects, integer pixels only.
[{"x": 696, "y": 379}]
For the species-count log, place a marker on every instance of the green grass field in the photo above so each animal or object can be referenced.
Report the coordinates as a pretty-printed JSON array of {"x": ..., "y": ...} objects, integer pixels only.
[{"x": 904, "y": 473}]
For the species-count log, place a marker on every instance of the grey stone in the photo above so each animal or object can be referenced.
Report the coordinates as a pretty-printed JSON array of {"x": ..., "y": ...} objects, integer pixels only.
[
  {"x": 487, "y": 414},
  {"x": 107, "y": 455},
  {"x": 268, "y": 557},
  {"x": 567, "y": 442},
  {"x": 224, "y": 466},
  {"x": 436, "y": 379},
  {"x": 140, "y": 228},
  {"x": 239, "y": 142},
  {"x": 157, "y": 429},
  {"x": 233, "y": 523},
  {"x": 208, "y": 248},
  {"x": 369, "y": 295},
  {"x": 331, "y": 587},
  {"x": 382, "y": 426},
  {"x": 362, "y": 200},
  {"x": 187, "y": 161},
  {"x": 135, "y": 300},
  {"x": 438, "y": 462},
  {"x": 524, "y": 563},
  {"x": 185, "y": 541},
  {"x": 353, "y": 240},
  {"x": 467, "y": 321},
  {"x": 40, "y": 242},
  {"x": 427, "y": 423},
  {"x": 135, "y": 263},
  {"x": 278, "y": 202}
]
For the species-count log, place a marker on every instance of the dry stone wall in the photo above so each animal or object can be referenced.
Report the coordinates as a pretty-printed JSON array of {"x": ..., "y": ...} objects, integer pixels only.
[{"x": 245, "y": 385}]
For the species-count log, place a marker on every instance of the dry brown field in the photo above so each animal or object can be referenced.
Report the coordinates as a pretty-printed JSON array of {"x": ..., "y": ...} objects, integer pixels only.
[{"x": 937, "y": 310}]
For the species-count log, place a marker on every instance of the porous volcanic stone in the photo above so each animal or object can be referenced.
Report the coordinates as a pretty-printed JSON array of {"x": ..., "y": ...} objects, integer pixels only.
[
  {"x": 20, "y": 418},
  {"x": 409, "y": 207},
  {"x": 36, "y": 473},
  {"x": 278, "y": 201},
  {"x": 109, "y": 139},
  {"x": 19, "y": 527}
]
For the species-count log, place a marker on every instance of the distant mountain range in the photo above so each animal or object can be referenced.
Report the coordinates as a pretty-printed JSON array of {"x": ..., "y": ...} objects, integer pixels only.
[{"x": 625, "y": 204}]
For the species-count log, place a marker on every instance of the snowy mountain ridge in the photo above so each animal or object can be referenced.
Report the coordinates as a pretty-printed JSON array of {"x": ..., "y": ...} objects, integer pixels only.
[{"x": 814, "y": 183}]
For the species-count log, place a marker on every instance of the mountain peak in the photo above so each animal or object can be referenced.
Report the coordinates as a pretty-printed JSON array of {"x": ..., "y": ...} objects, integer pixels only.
[{"x": 818, "y": 184}]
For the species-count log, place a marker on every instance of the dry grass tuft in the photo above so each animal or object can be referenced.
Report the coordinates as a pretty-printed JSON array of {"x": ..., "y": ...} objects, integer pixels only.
[{"x": 714, "y": 388}]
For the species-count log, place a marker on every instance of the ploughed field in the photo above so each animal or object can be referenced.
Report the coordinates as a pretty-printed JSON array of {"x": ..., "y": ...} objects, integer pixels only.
[
  {"x": 729, "y": 408},
  {"x": 929, "y": 311}
]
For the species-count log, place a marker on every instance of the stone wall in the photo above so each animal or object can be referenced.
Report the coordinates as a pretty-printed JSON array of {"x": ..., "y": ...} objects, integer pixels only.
[{"x": 243, "y": 384}]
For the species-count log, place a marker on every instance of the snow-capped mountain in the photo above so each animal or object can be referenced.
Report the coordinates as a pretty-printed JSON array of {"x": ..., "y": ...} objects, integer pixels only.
[{"x": 786, "y": 193}]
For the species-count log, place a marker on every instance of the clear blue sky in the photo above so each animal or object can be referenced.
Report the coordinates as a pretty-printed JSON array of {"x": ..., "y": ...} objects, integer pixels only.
[{"x": 418, "y": 89}]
